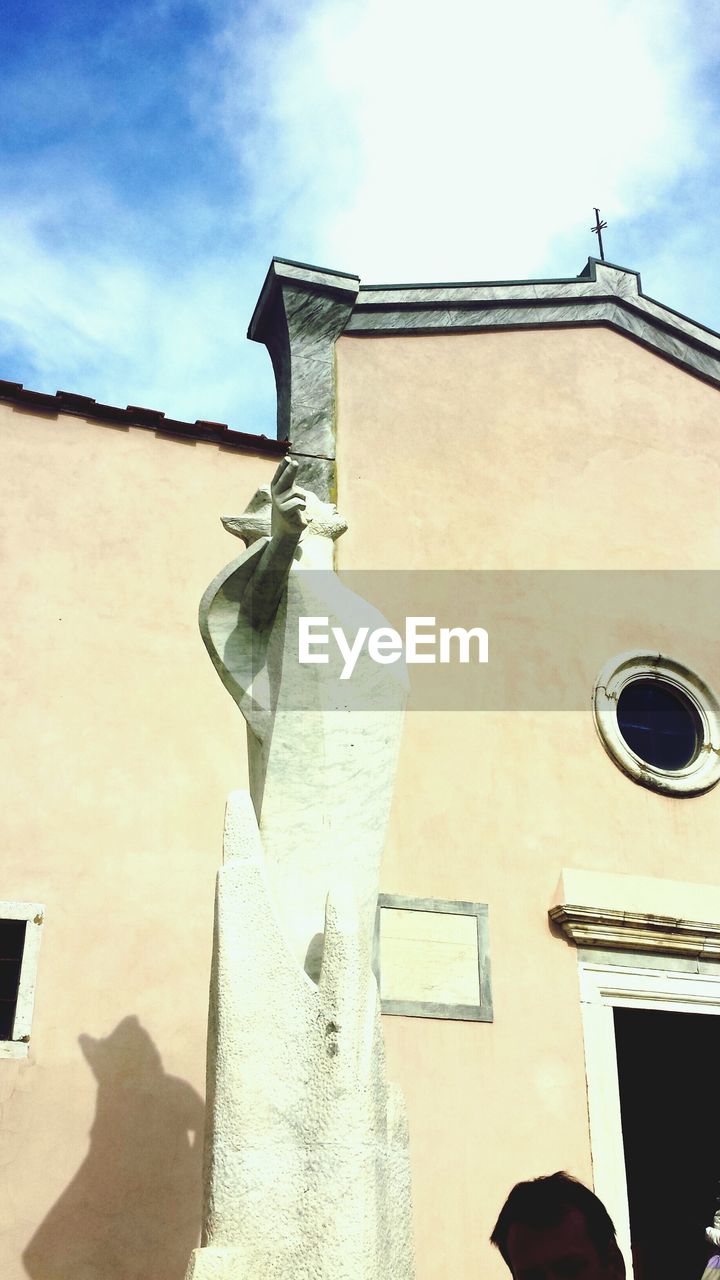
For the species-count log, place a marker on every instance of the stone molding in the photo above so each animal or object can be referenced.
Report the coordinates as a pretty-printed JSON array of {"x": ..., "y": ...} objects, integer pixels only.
[
  {"x": 302, "y": 311},
  {"x": 603, "y": 294},
  {"x": 617, "y": 930}
]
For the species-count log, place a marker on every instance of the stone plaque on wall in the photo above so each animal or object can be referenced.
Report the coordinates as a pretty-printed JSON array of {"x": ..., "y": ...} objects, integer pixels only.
[{"x": 432, "y": 958}]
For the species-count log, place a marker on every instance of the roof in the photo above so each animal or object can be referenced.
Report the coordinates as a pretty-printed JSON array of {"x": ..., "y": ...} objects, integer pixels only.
[
  {"x": 302, "y": 310},
  {"x": 219, "y": 433},
  {"x": 602, "y": 293}
]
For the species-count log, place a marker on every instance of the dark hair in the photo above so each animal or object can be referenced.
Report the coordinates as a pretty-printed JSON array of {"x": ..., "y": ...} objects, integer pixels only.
[{"x": 544, "y": 1202}]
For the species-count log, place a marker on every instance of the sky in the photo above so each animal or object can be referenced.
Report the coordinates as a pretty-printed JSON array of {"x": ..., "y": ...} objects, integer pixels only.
[{"x": 155, "y": 155}]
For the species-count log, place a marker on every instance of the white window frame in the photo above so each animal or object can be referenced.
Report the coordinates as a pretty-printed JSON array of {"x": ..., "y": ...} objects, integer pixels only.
[
  {"x": 603, "y": 987},
  {"x": 33, "y": 913},
  {"x": 703, "y": 771}
]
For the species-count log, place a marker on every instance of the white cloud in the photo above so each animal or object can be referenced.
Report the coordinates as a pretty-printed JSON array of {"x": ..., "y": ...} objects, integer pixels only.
[
  {"x": 396, "y": 138},
  {"x": 123, "y": 329},
  {"x": 464, "y": 140}
]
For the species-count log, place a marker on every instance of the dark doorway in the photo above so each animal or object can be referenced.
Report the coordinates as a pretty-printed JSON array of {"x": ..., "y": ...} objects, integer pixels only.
[{"x": 668, "y": 1068}]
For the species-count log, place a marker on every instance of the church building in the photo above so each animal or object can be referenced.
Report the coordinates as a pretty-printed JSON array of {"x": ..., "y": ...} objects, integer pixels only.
[{"x": 536, "y": 460}]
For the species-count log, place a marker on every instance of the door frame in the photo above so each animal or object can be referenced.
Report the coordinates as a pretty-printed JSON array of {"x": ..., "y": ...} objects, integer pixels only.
[{"x": 605, "y": 985}]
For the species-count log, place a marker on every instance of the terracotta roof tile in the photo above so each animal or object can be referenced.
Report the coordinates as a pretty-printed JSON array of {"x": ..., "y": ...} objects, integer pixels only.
[{"x": 136, "y": 416}]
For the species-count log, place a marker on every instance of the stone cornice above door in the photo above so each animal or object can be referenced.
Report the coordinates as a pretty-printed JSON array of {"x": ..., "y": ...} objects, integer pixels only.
[{"x": 638, "y": 914}]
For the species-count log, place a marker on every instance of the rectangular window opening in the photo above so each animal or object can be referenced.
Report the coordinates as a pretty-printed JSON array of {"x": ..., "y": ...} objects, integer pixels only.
[
  {"x": 21, "y": 925},
  {"x": 12, "y": 945}
]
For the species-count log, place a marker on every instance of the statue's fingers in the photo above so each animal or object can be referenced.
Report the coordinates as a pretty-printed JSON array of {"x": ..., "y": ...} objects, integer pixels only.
[
  {"x": 296, "y": 502},
  {"x": 285, "y": 475},
  {"x": 293, "y": 510}
]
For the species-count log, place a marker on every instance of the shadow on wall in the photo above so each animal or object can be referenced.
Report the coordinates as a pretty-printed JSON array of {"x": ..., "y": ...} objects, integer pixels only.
[{"x": 132, "y": 1211}]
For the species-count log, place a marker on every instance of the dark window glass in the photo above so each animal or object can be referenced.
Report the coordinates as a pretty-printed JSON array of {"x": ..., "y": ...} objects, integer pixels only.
[
  {"x": 9, "y": 979},
  {"x": 659, "y": 724},
  {"x": 7, "y": 1018},
  {"x": 12, "y": 941}
]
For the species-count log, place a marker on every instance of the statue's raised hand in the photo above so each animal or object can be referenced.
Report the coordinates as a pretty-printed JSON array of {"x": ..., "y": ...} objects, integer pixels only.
[{"x": 288, "y": 502}]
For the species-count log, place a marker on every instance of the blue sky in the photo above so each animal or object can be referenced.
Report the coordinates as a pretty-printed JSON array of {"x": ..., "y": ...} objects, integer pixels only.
[{"x": 155, "y": 155}]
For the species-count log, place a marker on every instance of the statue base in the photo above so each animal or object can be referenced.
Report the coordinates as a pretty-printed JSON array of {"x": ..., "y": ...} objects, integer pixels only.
[{"x": 306, "y": 1148}]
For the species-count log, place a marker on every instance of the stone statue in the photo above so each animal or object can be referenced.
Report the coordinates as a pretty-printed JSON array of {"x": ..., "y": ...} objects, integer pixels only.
[
  {"x": 306, "y": 1159},
  {"x": 322, "y": 752}
]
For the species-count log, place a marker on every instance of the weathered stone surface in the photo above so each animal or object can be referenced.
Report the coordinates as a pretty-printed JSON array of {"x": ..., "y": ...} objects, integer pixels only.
[
  {"x": 306, "y": 1153},
  {"x": 306, "y": 1165}
]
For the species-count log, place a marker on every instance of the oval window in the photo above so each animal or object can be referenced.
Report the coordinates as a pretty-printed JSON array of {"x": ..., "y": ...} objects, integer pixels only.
[{"x": 660, "y": 723}]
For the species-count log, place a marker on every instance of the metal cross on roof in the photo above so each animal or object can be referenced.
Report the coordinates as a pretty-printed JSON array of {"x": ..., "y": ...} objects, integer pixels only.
[{"x": 597, "y": 231}]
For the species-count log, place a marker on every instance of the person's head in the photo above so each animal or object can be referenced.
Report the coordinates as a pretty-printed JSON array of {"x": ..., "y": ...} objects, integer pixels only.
[{"x": 554, "y": 1228}]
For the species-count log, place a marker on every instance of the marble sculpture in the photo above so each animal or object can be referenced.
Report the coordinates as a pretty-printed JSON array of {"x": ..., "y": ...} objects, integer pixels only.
[{"x": 306, "y": 1154}]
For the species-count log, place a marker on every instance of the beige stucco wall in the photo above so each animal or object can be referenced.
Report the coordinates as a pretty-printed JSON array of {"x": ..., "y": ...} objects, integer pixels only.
[
  {"x": 119, "y": 747},
  {"x": 522, "y": 450},
  {"x": 549, "y": 449}
]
